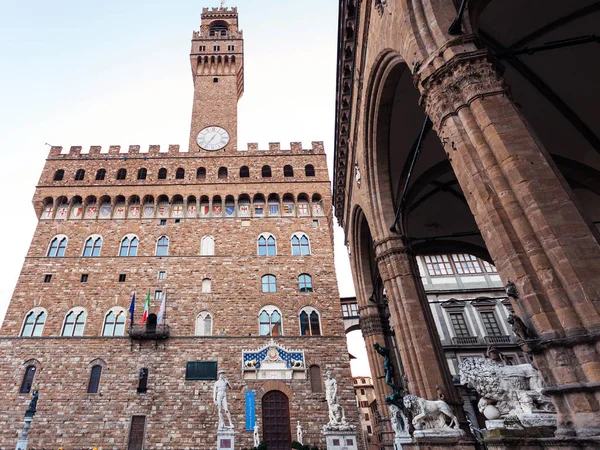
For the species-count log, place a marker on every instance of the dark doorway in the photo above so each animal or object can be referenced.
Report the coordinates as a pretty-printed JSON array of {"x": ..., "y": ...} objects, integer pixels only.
[
  {"x": 276, "y": 420},
  {"x": 136, "y": 433}
]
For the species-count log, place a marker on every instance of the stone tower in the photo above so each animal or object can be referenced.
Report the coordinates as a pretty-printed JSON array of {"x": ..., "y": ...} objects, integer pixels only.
[{"x": 236, "y": 243}]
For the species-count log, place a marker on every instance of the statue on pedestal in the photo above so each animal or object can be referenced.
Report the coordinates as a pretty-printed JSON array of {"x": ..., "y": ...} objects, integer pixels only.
[
  {"x": 388, "y": 366},
  {"x": 299, "y": 433},
  {"x": 220, "y": 399},
  {"x": 337, "y": 418},
  {"x": 256, "y": 436}
]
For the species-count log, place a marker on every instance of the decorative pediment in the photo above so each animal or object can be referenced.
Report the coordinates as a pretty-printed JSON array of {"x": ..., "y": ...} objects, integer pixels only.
[{"x": 272, "y": 361}]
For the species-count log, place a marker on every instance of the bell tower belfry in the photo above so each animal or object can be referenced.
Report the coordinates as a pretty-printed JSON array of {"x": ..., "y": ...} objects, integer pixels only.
[{"x": 216, "y": 59}]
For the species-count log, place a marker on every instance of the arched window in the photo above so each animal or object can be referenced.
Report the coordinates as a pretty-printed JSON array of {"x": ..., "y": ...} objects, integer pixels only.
[
  {"x": 309, "y": 170},
  {"x": 57, "y": 248},
  {"x": 310, "y": 323},
  {"x": 129, "y": 246},
  {"x": 142, "y": 174},
  {"x": 316, "y": 383},
  {"x": 244, "y": 172},
  {"x": 305, "y": 283},
  {"x": 101, "y": 174},
  {"x": 121, "y": 174},
  {"x": 270, "y": 321},
  {"x": 162, "y": 246},
  {"x": 206, "y": 286},
  {"x": 80, "y": 175},
  {"x": 201, "y": 173},
  {"x": 74, "y": 323},
  {"x": 269, "y": 283},
  {"x": 288, "y": 171},
  {"x": 207, "y": 246},
  {"x": 114, "y": 323},
  {"x": 222, "y": 173},
  {"x": 162, "y": 174},
  {"x": 300, "y": 245},
  {"x": 28, "y": 380},
  {"x": 266, "y": 172},
  {"x": 204, "y": 324},
  {"x": 267, "y": 245},
  {"x": 34, "y": 323},
  {"x": 180, "y": 174},
  {"x": 59, "y": 175},
  {"x": 94, "y": 383},
  {"x": 93, "y": 245}
]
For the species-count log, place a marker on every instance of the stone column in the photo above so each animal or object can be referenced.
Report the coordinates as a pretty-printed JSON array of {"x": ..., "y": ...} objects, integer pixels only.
[{"x": 533, "y": 230}]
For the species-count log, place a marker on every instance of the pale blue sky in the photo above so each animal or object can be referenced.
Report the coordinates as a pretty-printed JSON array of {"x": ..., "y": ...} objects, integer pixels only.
[{"x": 114, "y": 72}]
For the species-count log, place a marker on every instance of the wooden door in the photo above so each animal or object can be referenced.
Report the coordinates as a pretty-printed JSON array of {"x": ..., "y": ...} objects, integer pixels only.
[
  {"x": 276, "y": 421},
  {"x": 136, "y": 433}
]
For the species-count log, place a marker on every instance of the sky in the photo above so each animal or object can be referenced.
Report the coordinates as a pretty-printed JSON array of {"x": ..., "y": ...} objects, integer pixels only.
[{"x": 117, "y": 73}]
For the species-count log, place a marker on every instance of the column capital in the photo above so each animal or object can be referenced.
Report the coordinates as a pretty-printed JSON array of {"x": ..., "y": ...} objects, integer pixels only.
[
  {"x": 371, "y": 325},
  {"x": 458, "y": 82}
]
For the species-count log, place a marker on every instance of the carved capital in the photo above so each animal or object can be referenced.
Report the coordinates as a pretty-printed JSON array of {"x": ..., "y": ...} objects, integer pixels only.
[
  {"x": 458, "y": 82},
  {"x": 370, "y": 325}
]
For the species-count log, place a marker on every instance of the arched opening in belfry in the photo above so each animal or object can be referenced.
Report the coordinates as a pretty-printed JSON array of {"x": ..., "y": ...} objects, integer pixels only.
[
  {"x": 219, "y": 28},
  {"x": 548, "y": 51},
  {"x": 419, "y": 197}
]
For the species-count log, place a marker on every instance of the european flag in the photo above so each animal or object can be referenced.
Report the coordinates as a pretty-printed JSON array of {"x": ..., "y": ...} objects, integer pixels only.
[{"x": 132, "y": 308}]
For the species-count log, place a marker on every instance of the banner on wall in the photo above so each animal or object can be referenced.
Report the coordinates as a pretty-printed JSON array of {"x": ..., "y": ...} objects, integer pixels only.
[{"x": 250, "y": 411}]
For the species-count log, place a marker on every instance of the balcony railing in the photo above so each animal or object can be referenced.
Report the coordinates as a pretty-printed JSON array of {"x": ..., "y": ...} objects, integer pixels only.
[
  {"x": 498, "y": 339},
  {"x": 465, "y": 340},
  {"x": 148, "y": 333}
]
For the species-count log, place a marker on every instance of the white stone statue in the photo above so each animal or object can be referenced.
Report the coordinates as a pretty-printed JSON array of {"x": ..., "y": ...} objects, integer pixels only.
[
  {"x": 337, "y": 418},
  {"x": 505, "y": 390},
  {"x": 430, "y": 414},
  {"x": 299, "y": 433},
  {"x": 256, "y": 436},
  {"x": 220, "y": 399},
  {"x": 399, "y": 421}
]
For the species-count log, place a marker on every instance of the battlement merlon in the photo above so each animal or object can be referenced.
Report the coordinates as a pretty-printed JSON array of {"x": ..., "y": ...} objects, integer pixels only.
[{"x": 119, "y": 152}]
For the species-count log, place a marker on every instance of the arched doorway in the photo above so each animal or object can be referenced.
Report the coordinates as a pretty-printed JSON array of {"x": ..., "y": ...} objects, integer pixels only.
[{"x": 276, "y": 420}]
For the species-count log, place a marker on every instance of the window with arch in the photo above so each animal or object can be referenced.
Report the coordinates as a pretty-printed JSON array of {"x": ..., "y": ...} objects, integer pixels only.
[
  {"x": 310, "y": 322},
  {"x": 300, "y": 245},
  {"x": 305, "y": 283},
  {"x": 114, "y": 323},
  {"x": 162, "y": 246},
  {"x": 162, "y": 174},
  {"x": 204, "y": 324},
  {"x": 142, "y": 174},
  {"x": 207, "y": 246},
  {"x": 316, "y": 382},
  {"x": 93, "y": 246},
  {"x": 222, "y": 174},
  {"x": 121, "y": 174},
  {"x": 34, "y": 323},
  {"x": 201, "y": 173},
  {"x": 244, "y": 172},
  {"x": 206, "y": 286},
  {"x": 101, "y": 174},
  {"x": 309, "y": 170},
  {"x": 267, "y": 245},
  {"x": 57, "y": 248},
  {"x": 180, "y": 174},
  {"x": 270, "y": 321},
  {"x": 28, "y": 379},
  {"x": 288, "y": 171},
  {"x": 74, "y": 323},
  {"x": 94, "y": 382},
  {"x": 80, "y": 175},
  {"x": 269, "y": 283},
  {"x": 59, "y": 175},
  {"x": 129, "y": 246},
  {"x": 266, "y": 172}
]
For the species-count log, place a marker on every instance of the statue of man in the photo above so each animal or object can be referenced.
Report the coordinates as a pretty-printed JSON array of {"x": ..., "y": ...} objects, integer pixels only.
[
  {"x": 299, "y": 433},
  {"x": 220, "y": 399},
  {"x": 256, "y": 436},
  {"x": 330, "y": 389},
  {"x": 388, "y": 366},
  {"x": 32, "y": 404}
]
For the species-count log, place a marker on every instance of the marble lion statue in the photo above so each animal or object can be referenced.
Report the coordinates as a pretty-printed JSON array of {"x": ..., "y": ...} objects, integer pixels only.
[{"x": 429, "y": 413}]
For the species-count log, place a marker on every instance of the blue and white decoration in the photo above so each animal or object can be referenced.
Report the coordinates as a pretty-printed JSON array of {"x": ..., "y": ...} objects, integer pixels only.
[{"x": 272, "y": 361}]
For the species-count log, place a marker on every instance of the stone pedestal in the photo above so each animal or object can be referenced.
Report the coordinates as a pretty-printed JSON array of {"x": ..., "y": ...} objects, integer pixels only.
[
  {"x": 401, "y": 440},
  {"x": 22, "y": 443},
  {"x": 225, "y": 439},
  {"x": 437, "y": 435},
  {"x": 341, "y": 440}
]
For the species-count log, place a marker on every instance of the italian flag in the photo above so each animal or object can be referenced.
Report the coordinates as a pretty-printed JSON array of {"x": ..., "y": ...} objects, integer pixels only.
[{"x": 146, "y": 308}]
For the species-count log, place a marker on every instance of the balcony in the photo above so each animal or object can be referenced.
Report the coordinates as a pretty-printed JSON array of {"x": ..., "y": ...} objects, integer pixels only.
[
  {"x": 147, "y": 333},
  {"x": 495, "y": 340},
  {"x": 466, "y": 340}
]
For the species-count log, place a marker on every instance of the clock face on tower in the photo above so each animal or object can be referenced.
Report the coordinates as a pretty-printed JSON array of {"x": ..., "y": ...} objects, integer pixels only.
[{"x": 213, "y": 138}]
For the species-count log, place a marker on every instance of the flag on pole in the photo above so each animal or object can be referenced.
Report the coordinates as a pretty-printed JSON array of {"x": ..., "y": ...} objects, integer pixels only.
[
  {"x": 132, "y": 309},
  {"x": 146, "y": 309},
  {"x": 161, "y": 311}
]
